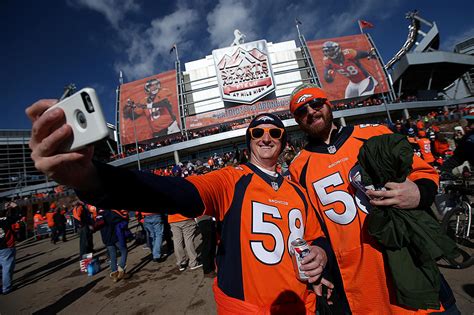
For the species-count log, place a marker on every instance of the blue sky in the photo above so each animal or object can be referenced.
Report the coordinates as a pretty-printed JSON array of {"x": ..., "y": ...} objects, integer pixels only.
[{"x": 47, "y": 44}]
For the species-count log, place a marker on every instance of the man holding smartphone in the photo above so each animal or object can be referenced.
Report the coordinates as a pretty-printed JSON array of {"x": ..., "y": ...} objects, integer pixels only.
[{"x": 261, "y": 211}]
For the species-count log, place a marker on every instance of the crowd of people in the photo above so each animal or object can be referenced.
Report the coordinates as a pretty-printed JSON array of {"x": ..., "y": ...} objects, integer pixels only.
[
  {"x": 357, "y": 104},
  {"x": 131, "y": 149}
]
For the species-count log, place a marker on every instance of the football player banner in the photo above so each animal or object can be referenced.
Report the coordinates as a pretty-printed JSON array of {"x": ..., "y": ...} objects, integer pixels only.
[
  {"x": 149, "y": 106},
  {"x": 347, "y": 67},
  {"x": 231, "y": 114}
]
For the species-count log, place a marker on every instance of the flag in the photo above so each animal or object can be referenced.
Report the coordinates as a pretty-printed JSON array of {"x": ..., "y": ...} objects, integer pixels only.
[
  {"x": 173, "y": 48},
  {"x": 297, "y": 21},
  {"x": 365, "y": 24}
]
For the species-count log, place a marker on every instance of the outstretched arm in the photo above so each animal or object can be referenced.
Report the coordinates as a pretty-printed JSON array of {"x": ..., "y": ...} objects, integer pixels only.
[{"x": 100, "y": 184}]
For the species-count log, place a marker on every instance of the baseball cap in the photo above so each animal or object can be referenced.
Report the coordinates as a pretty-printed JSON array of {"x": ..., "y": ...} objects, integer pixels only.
[
  {"x": 263, "y": 119},
  {"x": 304, "y": 93}
]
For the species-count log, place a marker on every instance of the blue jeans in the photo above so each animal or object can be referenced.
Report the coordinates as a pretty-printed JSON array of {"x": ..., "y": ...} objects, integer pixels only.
[
  {"x": 154, "y": 225},
  {"x": 7, "y": 262},
  {"x": 112, "y": 249}
]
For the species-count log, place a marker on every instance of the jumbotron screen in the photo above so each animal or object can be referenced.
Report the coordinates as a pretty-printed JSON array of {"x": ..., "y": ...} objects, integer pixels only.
[{"x": 348, "y": 67}]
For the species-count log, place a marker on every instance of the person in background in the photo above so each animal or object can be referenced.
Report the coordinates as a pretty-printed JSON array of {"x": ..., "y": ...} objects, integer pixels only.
[
  {"x": 51, "y": 225},
  {"x": 424, "y": 145},
  {"x": 83, "y": 221},
  {"x": 37, "y": 220},
  {"x": 112, "y": 219},
  {"x": 141, "y": 221},
  {"x": 185, "y": 231},
  {"x": 441, "y": 145},
  {"x": 464, "y": 151},
  {"x": 7, "y": 250},
  {"x": 153, "y": 223},
  {"x": 60, "y": 224}
]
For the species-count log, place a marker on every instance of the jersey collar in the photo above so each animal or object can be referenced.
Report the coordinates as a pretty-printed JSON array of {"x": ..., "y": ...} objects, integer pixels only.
[
  {"x": 336, "y": 141},
  {"x": 274, "y": 182}
]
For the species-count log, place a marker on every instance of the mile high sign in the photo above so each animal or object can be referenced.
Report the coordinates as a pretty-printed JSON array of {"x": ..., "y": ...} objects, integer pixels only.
[{"x": 244, "y": 72}]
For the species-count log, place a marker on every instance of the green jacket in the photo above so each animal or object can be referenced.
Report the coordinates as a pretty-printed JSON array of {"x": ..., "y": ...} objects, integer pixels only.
[{"x": 412, "y": 239}]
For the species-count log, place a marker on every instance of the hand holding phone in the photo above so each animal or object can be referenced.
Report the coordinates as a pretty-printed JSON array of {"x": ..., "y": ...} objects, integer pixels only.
[{"x": 84, "y": 114}]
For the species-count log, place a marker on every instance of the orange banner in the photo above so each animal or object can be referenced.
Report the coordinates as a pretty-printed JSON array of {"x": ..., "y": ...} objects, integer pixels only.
[
  {"x": 235, "y": 113},
  {"x": 348, "y": 67},
  {"x": 149, "y": 108}
]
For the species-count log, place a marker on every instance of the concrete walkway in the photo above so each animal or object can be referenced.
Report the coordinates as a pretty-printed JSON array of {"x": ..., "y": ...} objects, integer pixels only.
[{"x": 48, "y": 281}]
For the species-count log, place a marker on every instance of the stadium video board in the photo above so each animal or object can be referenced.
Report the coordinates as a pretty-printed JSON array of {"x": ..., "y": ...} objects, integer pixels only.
[
  {"x": 149, "y": 108},
  {"x": 347, "y": 67}
]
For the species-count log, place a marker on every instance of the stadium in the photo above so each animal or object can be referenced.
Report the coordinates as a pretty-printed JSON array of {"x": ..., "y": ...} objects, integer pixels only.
[
  {"x": 192, "y": 119},
  {"x": 188, "y": 116}
]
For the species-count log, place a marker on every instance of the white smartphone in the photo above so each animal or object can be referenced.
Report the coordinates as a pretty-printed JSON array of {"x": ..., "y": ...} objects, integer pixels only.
[{"x": 84, "y": 114}]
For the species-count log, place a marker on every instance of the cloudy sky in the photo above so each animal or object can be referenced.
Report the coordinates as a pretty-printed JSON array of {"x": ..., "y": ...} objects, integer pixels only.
[{"x": 47, "y": 44}]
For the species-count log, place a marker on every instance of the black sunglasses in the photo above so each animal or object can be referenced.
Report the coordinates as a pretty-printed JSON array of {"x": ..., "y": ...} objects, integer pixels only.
[
  {"x": 315, "y": 104},
  {"x": 274, "y": 132}
]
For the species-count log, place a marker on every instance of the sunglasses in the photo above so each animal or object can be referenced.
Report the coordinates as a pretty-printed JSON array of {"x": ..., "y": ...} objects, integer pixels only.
[
  {"x": 258, "y": 132},
  {"x": 315, "y": 104}
]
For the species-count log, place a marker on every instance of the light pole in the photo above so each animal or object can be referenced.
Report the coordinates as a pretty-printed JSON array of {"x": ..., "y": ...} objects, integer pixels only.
[{"x": 133, "y": 106}]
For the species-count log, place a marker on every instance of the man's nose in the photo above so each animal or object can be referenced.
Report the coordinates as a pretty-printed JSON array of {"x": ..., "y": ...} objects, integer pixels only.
[
  {"x": 266, "y": 137},
  {"x": 310, "y": 110}
]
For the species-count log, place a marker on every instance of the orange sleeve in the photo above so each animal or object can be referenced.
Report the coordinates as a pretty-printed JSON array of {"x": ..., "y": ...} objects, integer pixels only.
[
  {"x": 172, "y": 218},
  {"x": 216, "y": 190},
  {"x": 421, "y": 169}
]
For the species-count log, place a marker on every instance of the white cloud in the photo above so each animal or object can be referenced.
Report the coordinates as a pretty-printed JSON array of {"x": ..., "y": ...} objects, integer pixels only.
[
  {"x": 227, "y": 16},
  {"x": 452, "y": 40},
  {"x": 145, "y": 48},
  {"x": 113, "y": 10},
  {"x": 343, "y": 22},
  {"x": 149, "y": 49}
]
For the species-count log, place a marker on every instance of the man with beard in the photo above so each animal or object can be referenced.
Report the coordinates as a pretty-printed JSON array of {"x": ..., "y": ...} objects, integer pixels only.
[
  {"x": 261, "y": 212},
  {"x": 325, "y": 168}
]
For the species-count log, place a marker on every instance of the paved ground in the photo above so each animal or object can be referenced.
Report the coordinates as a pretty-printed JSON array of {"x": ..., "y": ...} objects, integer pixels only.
[{"x": 48, "y": 281}]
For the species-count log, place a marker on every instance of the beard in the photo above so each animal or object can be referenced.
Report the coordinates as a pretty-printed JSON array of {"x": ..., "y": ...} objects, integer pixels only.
[{"x": 320, "y": 131}]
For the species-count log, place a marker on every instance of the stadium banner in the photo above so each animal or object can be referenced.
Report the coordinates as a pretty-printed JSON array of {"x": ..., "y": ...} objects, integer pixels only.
[
  {"x": 227, "y": 115},
  {"x": 244, "y": 72},
  {"x": 347, "y": 67},
  {"x": 149, "y": 106}
]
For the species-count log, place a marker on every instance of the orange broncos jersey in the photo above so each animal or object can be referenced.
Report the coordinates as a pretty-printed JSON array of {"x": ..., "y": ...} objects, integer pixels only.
[
  {"x": 425, "y": 148},
  {"x": 326, "y": 171},
  {"x": 260, "y": 218},
  {"x": 349, "y": 67}
]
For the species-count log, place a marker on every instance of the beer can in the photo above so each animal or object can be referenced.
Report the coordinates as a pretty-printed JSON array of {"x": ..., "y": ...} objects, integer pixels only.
[{"x": 299, "y": 250}]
